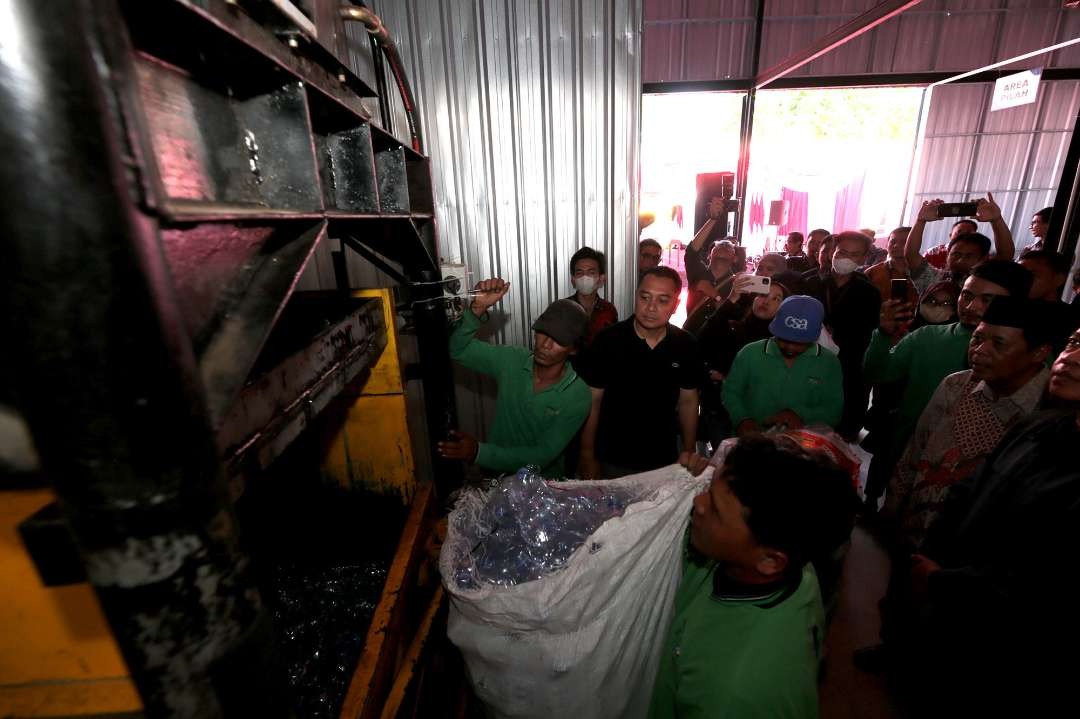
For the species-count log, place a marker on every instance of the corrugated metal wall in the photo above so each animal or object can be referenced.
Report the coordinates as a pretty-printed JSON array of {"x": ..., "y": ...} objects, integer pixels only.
[
  {"x": 530, "y": 114},
  {"x": 713, "y": 39},
  {"x": 1017, "y": 154}
]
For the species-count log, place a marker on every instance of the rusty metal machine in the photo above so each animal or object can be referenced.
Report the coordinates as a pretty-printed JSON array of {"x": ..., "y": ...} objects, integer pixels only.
[{"x": 209, "y": 435}]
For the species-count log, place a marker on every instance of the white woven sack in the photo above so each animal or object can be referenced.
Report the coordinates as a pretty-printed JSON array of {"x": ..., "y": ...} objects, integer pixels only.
[{"x": 583, "y": 642}]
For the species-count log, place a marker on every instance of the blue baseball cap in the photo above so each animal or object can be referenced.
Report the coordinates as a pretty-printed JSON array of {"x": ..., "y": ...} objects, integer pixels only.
[{"x": 798, "y": 319}]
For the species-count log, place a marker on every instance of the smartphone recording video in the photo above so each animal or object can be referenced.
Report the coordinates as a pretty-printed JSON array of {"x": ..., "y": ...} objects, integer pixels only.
[{"x": 957, "y": 209}]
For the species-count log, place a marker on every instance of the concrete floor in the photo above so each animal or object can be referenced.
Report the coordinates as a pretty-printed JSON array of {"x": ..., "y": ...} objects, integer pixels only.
[{"x": 846, "y": 692}]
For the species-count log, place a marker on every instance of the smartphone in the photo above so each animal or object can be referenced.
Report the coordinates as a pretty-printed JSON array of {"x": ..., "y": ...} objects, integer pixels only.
[
  {"x": 899, "y": 290},
  {"x": 957, "y": 209},
  {"x": 758, "y": 285}
]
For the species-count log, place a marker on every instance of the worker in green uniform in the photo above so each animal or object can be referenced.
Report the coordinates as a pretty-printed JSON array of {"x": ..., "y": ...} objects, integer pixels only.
[
  {"x": 745, "y": 637},
  {"x": 923, "y": 358},
  {"x": 541, "y": 400},
  {"x": 789, "y": 380}
]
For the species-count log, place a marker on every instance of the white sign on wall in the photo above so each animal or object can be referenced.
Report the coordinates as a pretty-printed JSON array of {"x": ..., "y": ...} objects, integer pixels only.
[{"x": 1016, "y": 90}]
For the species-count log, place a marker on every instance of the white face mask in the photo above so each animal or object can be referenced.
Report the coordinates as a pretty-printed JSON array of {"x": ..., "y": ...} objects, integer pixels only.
[
  {"x": 586, "y": 285},
  {"x": 844, "y": 266}
]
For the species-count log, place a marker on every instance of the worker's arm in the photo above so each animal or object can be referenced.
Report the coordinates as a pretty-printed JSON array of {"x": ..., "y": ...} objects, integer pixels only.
[
  {"x": 688, "y": 418},
  {"x": 544, "y": 448},
  {"x": 913, "y": 246},
  {"x": 884, "y": 362},
  {"x": 588, "y": 466},
  {"x": 464, "y": 347},
  {"x": 988, "y": 211}
]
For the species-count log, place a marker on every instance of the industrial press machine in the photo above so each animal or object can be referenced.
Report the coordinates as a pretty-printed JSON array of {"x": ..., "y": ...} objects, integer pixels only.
[{"x": 232, "y": 501}]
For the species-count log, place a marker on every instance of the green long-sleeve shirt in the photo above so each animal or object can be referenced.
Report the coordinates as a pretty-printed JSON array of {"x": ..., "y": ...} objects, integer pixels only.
[
  {"x": 530, "y": 427},
  {"x": 761, "y": 384},
  {"x": 922, "y": 359},
  {"x": 730, "y": 654}
]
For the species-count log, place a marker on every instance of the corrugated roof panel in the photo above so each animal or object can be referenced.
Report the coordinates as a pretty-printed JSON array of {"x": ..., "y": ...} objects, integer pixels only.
[
  {"x": 956, "y": 108},
  {"x": 965, "y": 40},
  {"x": 726, "y": 9},
  {"x": 916, "y": 43},
  {"x": 1062, "y": 99},
  {"x": 1048, "y": 158},
  {"x": 663, "y": 10},
  {"x": 718, "y": 50},
  {"x": 1027, "y": 31},
  {"x": 853, "y": 57},
  {"x": 945, "y": 165},
  {"x": 1070, "y": 28},
  {"x": 956, "y": 35},
  {"x": 1001, "y": 163},
  {"x": 530, "y": 114},
  {"x": 662, "y": 59},
  {"x": 1013, "y": 119}
]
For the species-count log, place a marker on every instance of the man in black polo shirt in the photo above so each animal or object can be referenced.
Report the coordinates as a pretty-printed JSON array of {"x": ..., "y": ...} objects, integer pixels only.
[{"x": 644, "y": 374}]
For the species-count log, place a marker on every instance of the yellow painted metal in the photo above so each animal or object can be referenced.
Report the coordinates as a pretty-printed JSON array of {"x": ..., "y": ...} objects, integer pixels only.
[
  {"x": 392, "y": 627},
  {"x": 372, "y": 449},
  {"x": 57, "y": 655},
  {"x": 386, "y": 377}
]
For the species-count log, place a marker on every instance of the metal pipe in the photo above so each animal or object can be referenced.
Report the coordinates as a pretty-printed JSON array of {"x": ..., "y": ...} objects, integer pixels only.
[
  {"x": 848, "y": 31},
  {"x": 816, "y": 82},
  {"x": 106, "y": 377},
  {"x": 381, "y": 86},
  {"x": 1010, "y": 61},
  {"x": 375, "y": 26},
  {"x": 746, "y": 127}
]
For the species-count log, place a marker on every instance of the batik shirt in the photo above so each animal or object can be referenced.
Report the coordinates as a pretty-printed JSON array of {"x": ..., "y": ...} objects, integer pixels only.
[{"x": 960, "y": 426}]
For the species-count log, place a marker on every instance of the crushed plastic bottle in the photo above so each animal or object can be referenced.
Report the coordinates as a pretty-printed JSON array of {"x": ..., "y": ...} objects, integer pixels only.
[{"x": 528, "y": 528}]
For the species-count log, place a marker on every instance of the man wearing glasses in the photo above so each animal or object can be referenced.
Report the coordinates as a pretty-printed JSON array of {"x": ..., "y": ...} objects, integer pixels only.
[{"x": 648, "y": 256}]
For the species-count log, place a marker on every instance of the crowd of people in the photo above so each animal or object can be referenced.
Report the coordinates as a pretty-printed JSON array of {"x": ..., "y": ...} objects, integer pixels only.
[{"x": 958, "y": 369}]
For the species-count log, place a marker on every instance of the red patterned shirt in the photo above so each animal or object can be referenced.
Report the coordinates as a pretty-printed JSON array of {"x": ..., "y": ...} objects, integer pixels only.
[{"x": 603, "y": 315}]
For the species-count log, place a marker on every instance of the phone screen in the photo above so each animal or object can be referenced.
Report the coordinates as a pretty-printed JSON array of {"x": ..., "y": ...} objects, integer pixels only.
[{"x": 900, "y": 290}]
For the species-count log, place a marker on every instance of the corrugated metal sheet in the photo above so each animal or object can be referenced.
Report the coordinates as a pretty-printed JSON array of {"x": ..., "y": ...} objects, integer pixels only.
[
  {"x": 530, "y": 114},
  {"x": 936, "y": 35},
  {"x": 1017, "y": 154}
]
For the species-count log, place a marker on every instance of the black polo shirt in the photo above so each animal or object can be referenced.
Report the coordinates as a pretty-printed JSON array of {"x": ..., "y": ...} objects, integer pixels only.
[{"x": 638, "y": 417}]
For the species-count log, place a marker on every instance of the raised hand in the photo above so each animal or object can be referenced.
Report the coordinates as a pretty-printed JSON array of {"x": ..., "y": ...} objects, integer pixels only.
[
  {"x": 929, "y": 211},
  {"x": 986, "y": 209},
  {"x": 488, "y": 293},
  {"x": 460, "y": 446},
  {"x": 894, "y": 315}
]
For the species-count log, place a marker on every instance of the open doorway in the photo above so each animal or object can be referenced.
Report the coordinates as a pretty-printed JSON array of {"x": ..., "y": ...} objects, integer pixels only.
[{"x": 838, "y": 159}]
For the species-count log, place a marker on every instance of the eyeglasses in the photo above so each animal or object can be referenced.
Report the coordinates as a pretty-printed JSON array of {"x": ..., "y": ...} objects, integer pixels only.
[
  {"x": 938, "y": 303},
  {"x": 649, "y": 256}
]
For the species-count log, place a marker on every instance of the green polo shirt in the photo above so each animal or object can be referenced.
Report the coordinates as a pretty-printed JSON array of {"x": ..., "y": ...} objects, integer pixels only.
[
  {"x": 922, "y": 359},
  {"x": 760, "y": 384},
  {"x": 740, "y": 655},
  {"x": 530, "y": 427}
]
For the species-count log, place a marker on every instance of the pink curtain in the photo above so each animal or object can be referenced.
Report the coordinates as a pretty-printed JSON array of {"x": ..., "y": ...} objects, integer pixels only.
[
  {"x": 797, "y": 203},
  {"x": 757, "y": 212},
  {"x": 846, "y": 210}
]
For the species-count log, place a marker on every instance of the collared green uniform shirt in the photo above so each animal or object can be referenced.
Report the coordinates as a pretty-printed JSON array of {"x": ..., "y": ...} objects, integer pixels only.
[
  {"x": 530, "y": 427},
  {"x": 761, "y": 384},
  {"x": 922, "y": 359},
  {"x": 740, "y": 657}
]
